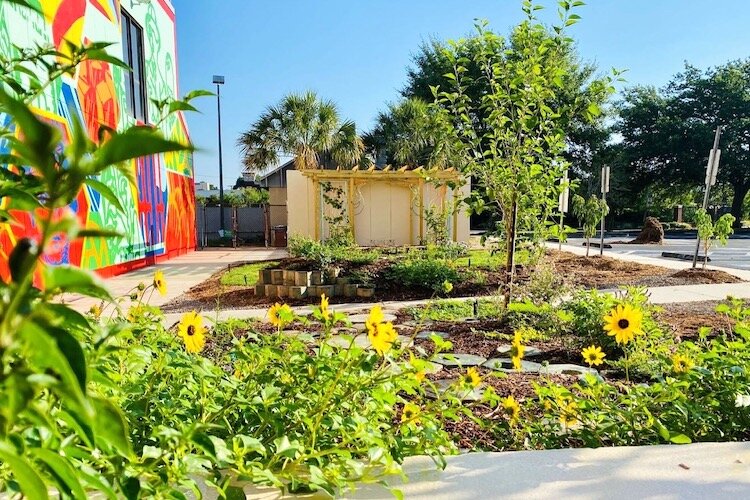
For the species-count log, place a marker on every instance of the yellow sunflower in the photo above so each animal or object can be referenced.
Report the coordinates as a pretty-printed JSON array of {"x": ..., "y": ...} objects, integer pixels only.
[
  {"x": 472, "y": 378},
  {"x": 324, "y": 307},
  {"x": 410, "y": 413},
  {"x": 382, "y": 336},
  {"x": 419, "y": 376},
  {"x": 623, "y": 323},
  {"x": 160, "y": 283},
  {"x": 681, "y": 363},
  {"x": 192, "y": 331},
  {"x": 516, "y": 351},
  {"x": 593, "y": 355},
  {"x": 569, "y": 415},
  {"x": 375, "y": 318},
  {"x": 512, "y": 409},
  {"x": 279, "y": 315}
]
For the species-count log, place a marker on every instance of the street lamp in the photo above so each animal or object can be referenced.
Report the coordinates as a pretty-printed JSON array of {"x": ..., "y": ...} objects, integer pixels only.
[{"x": 219, "y": 80}]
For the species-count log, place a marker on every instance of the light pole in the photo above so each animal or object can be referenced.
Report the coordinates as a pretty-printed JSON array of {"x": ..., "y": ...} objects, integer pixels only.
[{"x": 219, "y": 80}]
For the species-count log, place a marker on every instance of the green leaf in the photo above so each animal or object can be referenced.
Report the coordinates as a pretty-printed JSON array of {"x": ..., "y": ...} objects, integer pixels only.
[
  {"x": 98, "y": 233},
  {"x": 62, "y": 471},
  {"x": 677, "y": 438},
  {"x": 30, "y": 482},
  {"x": 71, "y": 319},
  {"x": 111, "y": 427},
  {"x": 234, "y": 493},
  {"x": 134, "y": 142},
  {"x": 101, "y": 55},
  {"x": 20, "y": 394},
  {"x": 106, "y": 192},
  {"x": 203, "y": 442},
  {"x": 71, "y": 349},
  {"x": 197, "y": 93},
  {"x": 69, "y": 279},
  {"x": 176, "y": 106}
]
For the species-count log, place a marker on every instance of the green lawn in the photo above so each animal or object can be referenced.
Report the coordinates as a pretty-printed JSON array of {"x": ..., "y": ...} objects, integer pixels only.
[
  {"x": 481, "y": 258},
  {"x": 450, "y": 310},
  {"x": 237, "y": 276}
]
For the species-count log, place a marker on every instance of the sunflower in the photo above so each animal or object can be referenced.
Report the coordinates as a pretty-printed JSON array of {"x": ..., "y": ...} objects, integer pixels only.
[
  {"x": 681, "y": 364},
  {"x": 569, "y": 415},
  {"x": 324, "y": 307},
  {"x": 623, "y": 323},
  {"x": 279, "y": 315},
  {"x": 160, "y": 283},
  {"x": 472, "y": 378},
  {"x": 516, "y": 351},
  {"x": 95, "y": 311},
  {"x": 593, "y": 355},
  {"x": 192, "y": 331},
  {"x": 375, "y": 318},
  {"x": 512, "y": 409},
  {"x": 382, "y": 336},
  {"x": 410, "y": 413},
  {"x": 419, "y": 376}
]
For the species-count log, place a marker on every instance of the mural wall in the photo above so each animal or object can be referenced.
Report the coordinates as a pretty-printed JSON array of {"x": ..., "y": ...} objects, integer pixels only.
[{"x": 160, "y": 208}]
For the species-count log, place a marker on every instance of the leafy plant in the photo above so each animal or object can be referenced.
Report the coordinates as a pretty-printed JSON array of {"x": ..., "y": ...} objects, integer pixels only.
[
  {"x": 58, "y": 429},
  {"x": 427, "y": 274},
  {"x": 709, "y": 232},
  {"x": 589, "y": 212}
]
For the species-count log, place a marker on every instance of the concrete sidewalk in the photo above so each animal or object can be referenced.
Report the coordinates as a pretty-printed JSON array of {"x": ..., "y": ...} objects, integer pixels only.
[
  {"x": 181, "y": 273},
  {"x": 705, "y": 470}
]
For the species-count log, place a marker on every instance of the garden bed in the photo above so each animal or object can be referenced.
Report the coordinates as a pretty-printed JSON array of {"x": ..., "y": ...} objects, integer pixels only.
[{"x": 480, "y": 274}]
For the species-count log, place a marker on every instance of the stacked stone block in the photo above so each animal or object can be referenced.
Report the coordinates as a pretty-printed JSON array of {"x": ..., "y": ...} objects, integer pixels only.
[{"x": 283, "y": 283}]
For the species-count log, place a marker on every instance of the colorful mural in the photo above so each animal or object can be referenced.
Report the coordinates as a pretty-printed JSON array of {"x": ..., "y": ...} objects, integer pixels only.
[{"x": 160, "y": 208}]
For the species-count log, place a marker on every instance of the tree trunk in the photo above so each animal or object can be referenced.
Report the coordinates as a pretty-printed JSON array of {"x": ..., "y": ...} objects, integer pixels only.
[
  {"x": 740, "y": 192},
  {"x": 511, "y": 249}
]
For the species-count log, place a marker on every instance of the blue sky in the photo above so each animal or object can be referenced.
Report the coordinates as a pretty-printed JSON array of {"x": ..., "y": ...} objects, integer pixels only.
[{"x": 356, "y": 52}]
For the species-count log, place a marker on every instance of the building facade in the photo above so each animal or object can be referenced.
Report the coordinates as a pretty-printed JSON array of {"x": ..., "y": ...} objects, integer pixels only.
[{"x": 159, "y": 218}]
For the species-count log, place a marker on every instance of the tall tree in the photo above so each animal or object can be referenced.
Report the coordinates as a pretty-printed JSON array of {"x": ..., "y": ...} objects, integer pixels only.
[
  {"x": 305, "y": 127},
  {"x": 667, "y": 133}
]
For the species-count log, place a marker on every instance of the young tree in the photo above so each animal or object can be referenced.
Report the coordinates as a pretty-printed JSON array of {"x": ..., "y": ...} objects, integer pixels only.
[
  {"x": 303, "y": 126},
  {"x": 709, "y": 232},
  {"x": 513, "y": 134},
  {"x": 589, "y": 212}
]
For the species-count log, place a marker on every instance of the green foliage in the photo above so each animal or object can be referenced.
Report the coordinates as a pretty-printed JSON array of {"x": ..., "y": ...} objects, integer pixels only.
[
  {"x": 266, "y": 409},
  {"x": 512, "y": 132},
  {"x": 456, "y": 310},
  {"x": 708, "y": 231},
  {"x": 668, "y": 132},
  {"x": 57, "y": 429},
  {"x": 246, "y": 197},
  {"x": 589, "y": 212},
  {"x": 331, "y": 252},
  {"x": 305, "y": 127},
  {"x": 428, "y": 274}
]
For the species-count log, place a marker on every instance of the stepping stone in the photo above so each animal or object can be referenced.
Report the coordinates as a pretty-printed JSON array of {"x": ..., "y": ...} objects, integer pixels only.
[
  {"x": 528, "y": 352},
  {"x": 429, "y": 333},
  {"x": 506, "y": 365},
  {"x": 404, "y": 340},
  {"x": 345, "y": 341},
  {"x": 362, "y": 318},
  {"x": 459, "y": 359},
  {"x": 442, "y": 386},
  {"x": 566, "y": 369}
]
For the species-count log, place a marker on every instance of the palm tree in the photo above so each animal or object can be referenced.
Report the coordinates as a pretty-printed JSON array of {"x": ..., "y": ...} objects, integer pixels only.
[{"x": 305, "y": 127}]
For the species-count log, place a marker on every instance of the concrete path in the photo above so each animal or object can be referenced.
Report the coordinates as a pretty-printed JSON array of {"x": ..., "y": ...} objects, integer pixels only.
[
  {"x": 181, "y": 273},
  {"x": 706, "y": 470}
]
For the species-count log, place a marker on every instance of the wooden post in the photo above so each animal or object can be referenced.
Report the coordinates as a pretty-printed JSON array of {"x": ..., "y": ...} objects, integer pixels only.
[
  {"x": 350, "y": 200},
  {"x": 316, "y": 190}
]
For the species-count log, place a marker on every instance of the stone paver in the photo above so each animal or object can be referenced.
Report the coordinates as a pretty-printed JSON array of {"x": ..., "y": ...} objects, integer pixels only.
[
  {"x": 566, "y": 369},
  {"x": 506, "y": 365},
  {"x": 426, "y": 334},
  {"x": 455, "y": 359},
  {"x": 528, "y": 352}
]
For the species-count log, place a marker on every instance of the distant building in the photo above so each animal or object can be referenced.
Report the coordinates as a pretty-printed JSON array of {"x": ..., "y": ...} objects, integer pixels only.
[{"x": 205, "y": 186}]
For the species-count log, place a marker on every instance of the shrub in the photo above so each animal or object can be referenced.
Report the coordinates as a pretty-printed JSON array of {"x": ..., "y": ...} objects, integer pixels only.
[{"x": 423, "y": 273}]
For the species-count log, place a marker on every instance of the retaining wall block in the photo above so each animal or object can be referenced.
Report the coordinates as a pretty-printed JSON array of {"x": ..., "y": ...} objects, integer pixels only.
[
  {"x": 277, "y": 276},
  {"x": 303, "y": 278},
  {"x": 297, "y": 292}
]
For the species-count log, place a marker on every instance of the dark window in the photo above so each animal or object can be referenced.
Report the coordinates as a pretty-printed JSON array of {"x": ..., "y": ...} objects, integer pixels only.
[{"x": 135, "y": 81}]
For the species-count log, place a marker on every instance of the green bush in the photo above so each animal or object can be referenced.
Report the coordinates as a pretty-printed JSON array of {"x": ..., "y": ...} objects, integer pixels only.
[
  {"x": 423, "y": 273},
  {"x": 329, "y": 253}
]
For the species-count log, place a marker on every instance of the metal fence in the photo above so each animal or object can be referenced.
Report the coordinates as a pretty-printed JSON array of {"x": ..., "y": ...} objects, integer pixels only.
[{"x": 243, "y": 225}]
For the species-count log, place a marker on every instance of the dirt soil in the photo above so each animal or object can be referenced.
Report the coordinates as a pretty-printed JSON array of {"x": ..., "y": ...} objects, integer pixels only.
[
  {"x": 593, "y": 272},
  {"x": 606, "y": 272},
  {"x": 687, "y": 319}
]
